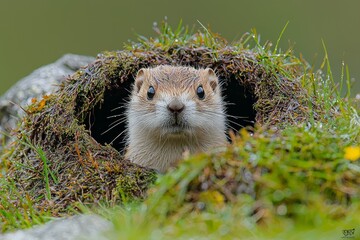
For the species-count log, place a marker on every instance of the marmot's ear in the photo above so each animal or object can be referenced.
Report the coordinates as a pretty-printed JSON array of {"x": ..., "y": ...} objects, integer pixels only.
[
  {"x": 139, "y": 80},
  {"x": 212, "y": 78}
]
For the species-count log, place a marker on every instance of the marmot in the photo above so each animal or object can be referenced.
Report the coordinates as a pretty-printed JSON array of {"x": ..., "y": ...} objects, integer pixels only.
[{"x": 172, "y": 110}]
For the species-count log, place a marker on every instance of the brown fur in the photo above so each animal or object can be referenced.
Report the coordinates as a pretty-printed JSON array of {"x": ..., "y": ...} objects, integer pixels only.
[{"x": 152, "y": 142}]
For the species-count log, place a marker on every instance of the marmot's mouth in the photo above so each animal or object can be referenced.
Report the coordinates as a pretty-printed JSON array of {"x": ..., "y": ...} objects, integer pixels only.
[{"x": 176, "y": 129}]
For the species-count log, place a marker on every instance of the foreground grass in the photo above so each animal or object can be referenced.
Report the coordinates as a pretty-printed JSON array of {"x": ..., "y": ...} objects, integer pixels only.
[
  {"x": 298, "y": 183},
  {"x": 229, "y": 223}
]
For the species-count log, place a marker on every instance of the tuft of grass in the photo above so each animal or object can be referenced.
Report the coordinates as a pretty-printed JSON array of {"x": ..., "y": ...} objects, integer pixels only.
[
  {"x": 17, "y": 211},
  {"x": 46, "y": 169}
]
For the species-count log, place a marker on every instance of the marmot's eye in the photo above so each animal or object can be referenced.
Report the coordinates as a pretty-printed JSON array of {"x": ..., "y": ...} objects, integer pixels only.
[
  {"x": 200, "y": 92},
  {"x": 151, "y": 93}
]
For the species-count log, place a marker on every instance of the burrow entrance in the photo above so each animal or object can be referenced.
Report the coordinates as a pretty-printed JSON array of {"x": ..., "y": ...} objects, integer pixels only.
[{"x": 107, "y": 124}]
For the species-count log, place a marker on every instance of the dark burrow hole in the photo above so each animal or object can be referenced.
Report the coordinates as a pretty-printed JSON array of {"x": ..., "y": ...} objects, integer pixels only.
[{"x": 102, "y": 120}]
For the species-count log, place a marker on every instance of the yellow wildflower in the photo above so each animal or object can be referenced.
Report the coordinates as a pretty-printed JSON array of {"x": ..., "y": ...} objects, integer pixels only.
[
  {"x": 352, "y": 153},
  {"x": 212, "y": 197},
  {"x": 218, "y": 197}
]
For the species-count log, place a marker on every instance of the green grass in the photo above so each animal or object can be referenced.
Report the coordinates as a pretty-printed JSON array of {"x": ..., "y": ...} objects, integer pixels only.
[
  {"x": 303, "y": 186},
  {"x": 21, "y": 214},
  {"x": 16, "y": 214}
]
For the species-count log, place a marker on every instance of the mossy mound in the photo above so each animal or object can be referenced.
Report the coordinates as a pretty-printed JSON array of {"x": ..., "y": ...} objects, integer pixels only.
[
  {"x": 64, "y": 155},
  {"x": 297, "y": 173}
]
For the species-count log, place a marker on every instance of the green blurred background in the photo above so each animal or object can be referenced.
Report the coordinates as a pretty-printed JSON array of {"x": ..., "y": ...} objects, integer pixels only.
[{"x": 37, "y": 32}]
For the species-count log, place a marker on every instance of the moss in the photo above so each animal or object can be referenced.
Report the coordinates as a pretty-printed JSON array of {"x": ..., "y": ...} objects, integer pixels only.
[{"x": 69, "y": 125}]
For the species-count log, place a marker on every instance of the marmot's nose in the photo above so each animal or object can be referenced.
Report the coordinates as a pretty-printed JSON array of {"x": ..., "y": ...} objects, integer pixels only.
[{"x": 175, "y": 106}]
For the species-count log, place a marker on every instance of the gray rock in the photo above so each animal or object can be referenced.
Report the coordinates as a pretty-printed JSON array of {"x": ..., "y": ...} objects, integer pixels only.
[
  {"x": 89, "y": 227},
  {"x": 40, "y": 82}
]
